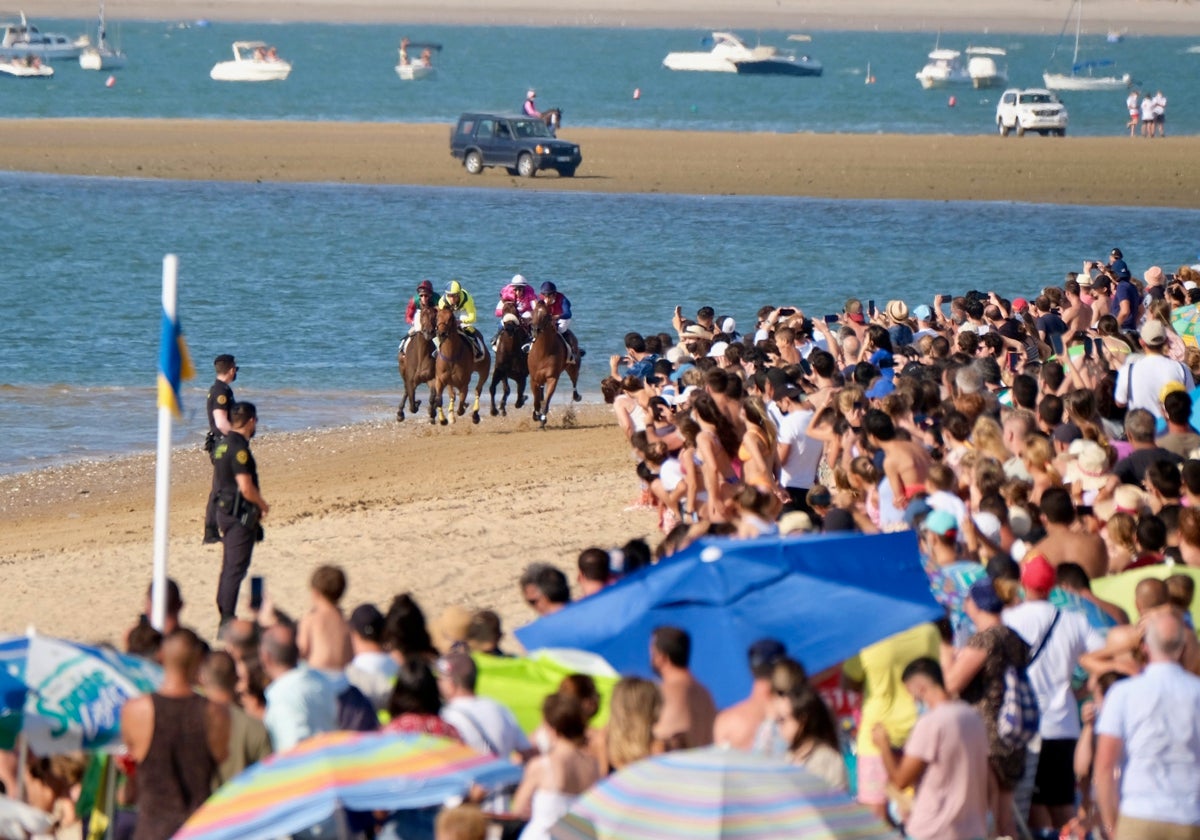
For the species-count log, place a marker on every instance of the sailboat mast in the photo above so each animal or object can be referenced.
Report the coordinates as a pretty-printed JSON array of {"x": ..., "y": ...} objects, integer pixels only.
[
  {"x": 1078, "y": 22},
  {"x": 101, "y": 35}
]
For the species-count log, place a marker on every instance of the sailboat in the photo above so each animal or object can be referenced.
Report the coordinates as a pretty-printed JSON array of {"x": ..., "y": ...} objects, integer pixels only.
[
  {"x": 101, "y": 56},
  {"x": 1089, "y": 81}
]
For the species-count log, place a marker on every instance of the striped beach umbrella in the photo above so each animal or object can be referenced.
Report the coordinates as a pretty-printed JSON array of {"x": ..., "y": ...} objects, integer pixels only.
[
  {"x": 716, "y": 793},
  {"x": 343, "y": 771}
]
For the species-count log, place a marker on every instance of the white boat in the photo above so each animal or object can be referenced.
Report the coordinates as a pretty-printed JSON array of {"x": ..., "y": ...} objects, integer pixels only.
[
  {"x": 29, "y": 67},
  {"x": 253, "y": 61},
  {"x": 730, "y": 55},
  {"x": 101, "y": 56},
  {"x": 413, "y": 70},
  {"x": 1082, "y": 75},
  {"x": 22, "y": 39},
  {"x": 945, "y": 68},
  {"x": 984, "y": 68}
]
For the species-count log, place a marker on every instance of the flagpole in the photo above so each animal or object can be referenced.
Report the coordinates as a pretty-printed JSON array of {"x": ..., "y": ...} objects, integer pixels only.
[{"x": 162, "y": 486}]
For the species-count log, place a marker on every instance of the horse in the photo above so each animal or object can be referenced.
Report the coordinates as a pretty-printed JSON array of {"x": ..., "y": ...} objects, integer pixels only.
[
  {"x": 455, "y": 363},
  {"x": 415, "y": 361},
  {"x": 552, "y": 117},
  {"x": 547, "y": 361},
  {"x": 511, "y": 359}
]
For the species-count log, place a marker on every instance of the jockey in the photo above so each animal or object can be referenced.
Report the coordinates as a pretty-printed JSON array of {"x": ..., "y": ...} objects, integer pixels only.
[
  {"x": 520, "y": 294},
  {"x": 560, "y": 310},
  {"x": 423, "y": 297},
  {"x": 530, "y": 108},
  {"x": 459, "y": 301}
]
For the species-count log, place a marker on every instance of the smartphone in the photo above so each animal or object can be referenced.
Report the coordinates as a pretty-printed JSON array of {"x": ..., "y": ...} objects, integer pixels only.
[
  {"x": 1084, "y": 510},
  {"x": 832, "y": 319},
  {"x": 871, "y": 308},
  {"x": 1014, "y": 359},
  {"x": 256, "y": 592},
  {"x": 786, "y": 311}
]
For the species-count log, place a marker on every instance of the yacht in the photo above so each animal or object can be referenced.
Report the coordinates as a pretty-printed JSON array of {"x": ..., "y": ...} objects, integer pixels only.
[
  {"x": 984, "y": 68},
  {"x": 944, "y": 68},
  {"x": 22, "y": 39},
  {"x": 29, "y": 67},
  {"x": 730, "y": 55},
  {"x": 414, "y": 69},
  {"x": 102, "y": 56},
  {"x": 253, "y": 61}
]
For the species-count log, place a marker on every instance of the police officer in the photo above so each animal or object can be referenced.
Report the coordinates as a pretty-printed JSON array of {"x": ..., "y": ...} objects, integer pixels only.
[
  {"x": 220, "y": 401},
  {"x": 240, "y": 505}
]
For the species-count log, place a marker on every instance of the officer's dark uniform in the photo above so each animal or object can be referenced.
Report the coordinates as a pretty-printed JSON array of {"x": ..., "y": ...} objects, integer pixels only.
[
  {"x": 220, "y": 395},
  {"x": 232, "y": 458}
]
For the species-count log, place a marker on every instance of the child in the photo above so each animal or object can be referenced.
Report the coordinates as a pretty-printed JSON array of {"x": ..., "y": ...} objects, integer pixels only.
[{"x": 324, "y": 635}]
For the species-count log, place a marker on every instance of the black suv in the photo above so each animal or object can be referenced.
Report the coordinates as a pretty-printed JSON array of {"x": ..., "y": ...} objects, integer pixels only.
[{"x": 522, "y": 145}]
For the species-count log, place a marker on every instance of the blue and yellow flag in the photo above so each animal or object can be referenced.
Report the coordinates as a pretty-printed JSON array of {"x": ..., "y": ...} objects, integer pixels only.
[{"x": 174, "y": 364}]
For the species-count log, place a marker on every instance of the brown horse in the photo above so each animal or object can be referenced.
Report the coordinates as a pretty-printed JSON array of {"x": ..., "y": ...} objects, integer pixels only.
[
  {"x": 511, "y": 359},
  {"x": 455, "y": 364},
  {"x": 547, "y": 361},
  {"x": 416, "y": 360}
]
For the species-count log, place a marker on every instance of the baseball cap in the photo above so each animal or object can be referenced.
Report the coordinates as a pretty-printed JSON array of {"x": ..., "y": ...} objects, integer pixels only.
[
  {"x": 1153, "y": 333},
  {"x": 942, "y": 523},
  {"x": 1020, "y": 304},
  {"x": 1116, "y": 252},
  {"x": 717, "y": 351},
  {"x": 766, "y": 652},
  {"x": 923, "y": 312},
  {"x": 1037, "y": 574},
  {"x": 792, "y": 393},
  {"x": 983, "y": 594},
  {"x": 728, "y": 326},
  {"x": 367, "y": 621}
]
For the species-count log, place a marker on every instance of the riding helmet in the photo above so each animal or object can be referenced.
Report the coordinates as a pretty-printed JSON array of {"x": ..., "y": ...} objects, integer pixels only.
[
  {"x": 425, "y": 288},
  {"x": 452, "y": 288},
  {"x": 549, "y": 288}
]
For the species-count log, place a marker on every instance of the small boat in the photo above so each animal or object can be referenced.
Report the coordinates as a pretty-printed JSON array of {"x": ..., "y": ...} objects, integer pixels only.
[
  {"x": 730, "y": 55},
  {"x": 1115, "y": 36},
  {"x": 101, "y": 56},
  {"x": 1082, "y": 75},
  {"x": 22, "y": 39},
  {"x": 29, "y": 67},
  {"x": 253, "y": 61},
  {"x": 420, "y": 68},
  {"x": 944, "y": 69},
  {"x": 983, "y": 68}
]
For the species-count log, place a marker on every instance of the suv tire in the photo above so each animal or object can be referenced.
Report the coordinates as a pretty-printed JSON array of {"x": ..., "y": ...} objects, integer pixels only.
[
  {"x": 473, "y": 162},
  {"x": 525, "y": 166},
  {"x": 1004, "y": 129},
  {"x": 1020, "y": 130}
]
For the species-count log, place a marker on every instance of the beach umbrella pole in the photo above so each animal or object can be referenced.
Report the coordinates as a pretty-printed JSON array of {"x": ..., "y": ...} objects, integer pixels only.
[{"x": 162, "y": 486}]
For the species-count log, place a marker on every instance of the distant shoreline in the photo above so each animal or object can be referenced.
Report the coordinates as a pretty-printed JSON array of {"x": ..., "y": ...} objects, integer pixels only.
[{"x": 1134, "y": 17}]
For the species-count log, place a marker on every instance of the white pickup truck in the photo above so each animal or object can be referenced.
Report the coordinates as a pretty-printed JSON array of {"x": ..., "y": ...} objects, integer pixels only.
[{"x": 1031, "y": 109}]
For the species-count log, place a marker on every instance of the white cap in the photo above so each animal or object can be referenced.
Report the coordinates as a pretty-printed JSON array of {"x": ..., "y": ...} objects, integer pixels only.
[
  {"x": 531, "y": 93},
  {"x": 728, "y": 326},
  {"x": 718, "y": 350},
  {"x": 519, "y": 280}
]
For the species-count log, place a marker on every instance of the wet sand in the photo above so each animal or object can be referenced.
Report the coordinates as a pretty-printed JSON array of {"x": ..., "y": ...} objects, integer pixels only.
[{"x": 1071, "y": 170}]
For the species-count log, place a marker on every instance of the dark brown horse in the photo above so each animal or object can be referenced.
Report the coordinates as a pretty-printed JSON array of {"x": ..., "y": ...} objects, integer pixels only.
[
  {"x": 511, "y": 359},
  {"x": 416, "y": 360},
  {"x": 552, "y": 117},
  {"x": 547, "y": 361},
  {"x": 455, "y": 364}
]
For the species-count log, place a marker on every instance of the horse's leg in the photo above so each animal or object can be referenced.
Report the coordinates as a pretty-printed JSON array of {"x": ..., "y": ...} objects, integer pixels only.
[
  {"x": 551, "y": 386},
  {"x": 573, "y": 372},
  {"x": 521, "y": 380},
  {"x": 536, "y": 388},
  {"x": 481, "y": 374},
  {"x": 436, "y": 412},
  {"x": 404, "y": 379},
  {"x": 496, "y": 380}
]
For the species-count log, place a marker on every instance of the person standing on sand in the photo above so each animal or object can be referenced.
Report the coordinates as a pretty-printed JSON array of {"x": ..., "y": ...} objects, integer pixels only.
[
  {"x": 1159, "y": 102},
  {"x": 177, "y": 738},
  {"x": 1131, "y": 105},
  {"x": 220, "y": 401},
  {"x": 240, "y": 505},
  {"x": 688, "y": 710}
]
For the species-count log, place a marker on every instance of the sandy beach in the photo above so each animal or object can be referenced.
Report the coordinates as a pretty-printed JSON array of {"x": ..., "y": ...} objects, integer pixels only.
[
  {"x": 1148, "y": 17},
  {"x": 1074, "y": 170}
]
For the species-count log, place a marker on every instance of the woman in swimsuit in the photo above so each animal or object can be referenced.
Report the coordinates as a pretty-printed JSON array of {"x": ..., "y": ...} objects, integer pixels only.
[{"x": 716, "y": 447}]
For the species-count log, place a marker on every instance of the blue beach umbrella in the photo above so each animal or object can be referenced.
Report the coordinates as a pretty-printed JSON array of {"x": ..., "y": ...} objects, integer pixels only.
[
  {"x": 64, "y": 696},
  {"x": 824, "y": 597}
]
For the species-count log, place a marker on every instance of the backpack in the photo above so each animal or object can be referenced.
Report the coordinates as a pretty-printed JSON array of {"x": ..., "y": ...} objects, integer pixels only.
[{"x": 1018, "y": 719}]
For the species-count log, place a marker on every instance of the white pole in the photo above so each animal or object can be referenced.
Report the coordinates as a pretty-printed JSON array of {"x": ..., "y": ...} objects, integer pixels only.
[{"x": 162, "y": 487}]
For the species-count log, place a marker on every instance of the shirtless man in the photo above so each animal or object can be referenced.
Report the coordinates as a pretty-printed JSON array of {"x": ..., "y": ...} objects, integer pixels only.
[
  {"x": 905, "y": 462},
  {"x": 324, "y": 635},
  {"x": 1064, "y": 542},
  {"x": 740, "y": 727},
  {"x": 688, "y": 710},
  {"x": 1077, "y": 314}
]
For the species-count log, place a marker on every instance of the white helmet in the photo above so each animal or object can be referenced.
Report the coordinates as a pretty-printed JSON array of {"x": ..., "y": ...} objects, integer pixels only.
[
  {"x": 531, "y": 93},
  {"x": 519, "y": 280}
]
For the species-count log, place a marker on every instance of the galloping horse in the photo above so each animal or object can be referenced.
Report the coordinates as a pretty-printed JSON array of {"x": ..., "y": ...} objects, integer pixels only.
[
  {"x": 416, "y": 360},
  {"x": 547, "y": 361},
  {"x": 455, "y": 363},
  {"x": 511, "y": 359}
]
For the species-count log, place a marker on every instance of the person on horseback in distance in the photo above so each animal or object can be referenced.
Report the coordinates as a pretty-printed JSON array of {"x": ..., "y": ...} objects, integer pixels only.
[
  {"x": 459, "y": 301},
  {"x": 559, "y": 308},
  {"x": 530, "y": 108}
]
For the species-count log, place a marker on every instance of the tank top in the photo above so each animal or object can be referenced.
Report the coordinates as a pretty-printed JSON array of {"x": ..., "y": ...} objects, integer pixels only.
[{"x": 175, "y": 777}]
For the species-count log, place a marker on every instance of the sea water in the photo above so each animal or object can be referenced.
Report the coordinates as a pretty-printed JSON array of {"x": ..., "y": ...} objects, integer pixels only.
[
  {"x": 345, "y": 72},
  {"x": 307, "y": 283}
]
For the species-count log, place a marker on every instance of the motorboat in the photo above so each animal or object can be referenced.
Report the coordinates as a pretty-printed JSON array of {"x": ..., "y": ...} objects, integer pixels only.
[
  {"x": 23, "y": 39},
  {"x": 101, "y": 55},
  {"x": 984, "y": 68},
  {"x": 730, "y": 55},
  {"x": 413, "y": 70},
  {"x": 945, "y": 68},
  {"x": 28, "y": 67},
  {"x": 1083, "y": 73},
  {"x": 253, "y": 61}
]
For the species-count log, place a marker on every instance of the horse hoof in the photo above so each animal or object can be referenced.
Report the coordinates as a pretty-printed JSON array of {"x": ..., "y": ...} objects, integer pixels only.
[
  {"x": 495, "y": 413},
  {"x": 445, "y": 422},
  {"x": 475, "y": 417},
  {"x": 521, "y": 402},
  {"x": 576, "y": 397},
  {"x": 416, "y": 406}
]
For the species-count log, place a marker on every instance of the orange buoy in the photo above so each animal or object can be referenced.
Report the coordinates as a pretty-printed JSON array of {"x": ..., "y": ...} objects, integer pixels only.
[
  {"x": 637, "y": 93},
  {"x": 953, "y": 101},
  {"x": 110, "y": 81}
]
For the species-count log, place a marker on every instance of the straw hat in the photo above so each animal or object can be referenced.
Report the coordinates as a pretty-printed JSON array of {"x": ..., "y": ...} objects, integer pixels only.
[
  {"x": 1128, "y": 498},
  {"x": 1089, "y": 466},
  {"x": 897, "y": 310},
  {"x": 450, "y": 627}
]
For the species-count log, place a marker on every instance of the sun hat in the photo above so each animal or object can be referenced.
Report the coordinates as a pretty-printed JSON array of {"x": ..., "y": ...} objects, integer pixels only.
[
  {"x": 897, "y": 310},
  {"x": 1153, "y": 333},
  {"x": 1090, "y": 465},
  {"x": 1037, "y": 575},
  {"x": 1084, "y": 280},
  {"x": 519, "y": 280},
  {"x": 696, "y": 331},
  {"x": 1127, "y": 498},
  {"x": 983, "y": 595},
  {"x": 1153, "y": 275},
  {"x": 450, "y": 627},
  {"x": 796, "y": 522}
]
